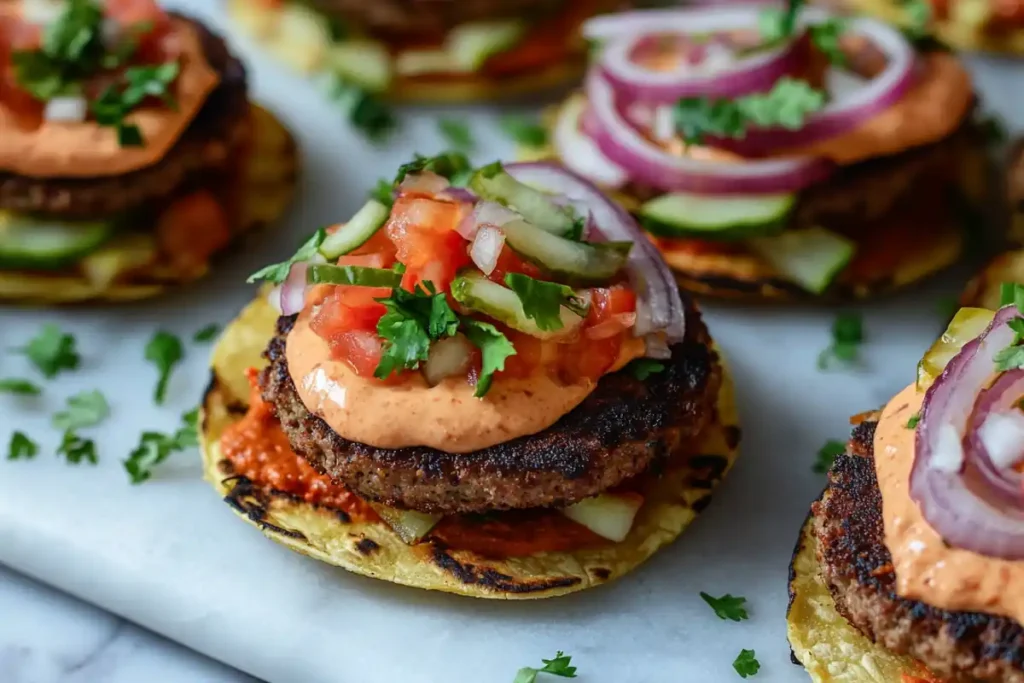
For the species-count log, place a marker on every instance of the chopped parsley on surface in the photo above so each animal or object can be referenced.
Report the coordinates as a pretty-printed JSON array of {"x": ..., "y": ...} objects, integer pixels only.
[
  {"x": 642, "y": 368},
  {"x": 746, "y": 663},
  {"x": 51, "y": 351},
  {"x": 155, "y": 447},
  {"x": 457, "y": 133},
  {"x": 542, "y": 301},
  {"x": 206, "y": 334},
  {"x": 84, "y": 409},
  {"x": 847, "y": 336},
  {"x": 524, "y": 130},
  {"x": 559, "y": 666},
  {"x": 76, "y": 449},
  {"x": 21, "y": 447},
  {"x": 165, "y": 351},
  {"x": 827, "y": 455},
  {"x": 727, "y": 606},
  {"x": 20, "y": 387}
]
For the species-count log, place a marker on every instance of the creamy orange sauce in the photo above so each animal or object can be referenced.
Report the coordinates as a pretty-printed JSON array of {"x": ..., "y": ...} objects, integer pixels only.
[
  {"x": 926, "y": 568},
  {"x": 446, "y": 417},
  {"x": 86, "y": 149}
]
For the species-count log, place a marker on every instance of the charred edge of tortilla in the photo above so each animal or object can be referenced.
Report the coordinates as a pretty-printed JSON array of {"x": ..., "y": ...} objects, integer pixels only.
[{"x": 487, "y": 577}]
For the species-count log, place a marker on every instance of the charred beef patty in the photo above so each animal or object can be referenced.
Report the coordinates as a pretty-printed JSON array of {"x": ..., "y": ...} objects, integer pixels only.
[
  {"x": 432, "y": 17},
  {"x": 857, "y": 566},
  {"x": 211, "y": 143},
  {"x": 624, "y": 427}
]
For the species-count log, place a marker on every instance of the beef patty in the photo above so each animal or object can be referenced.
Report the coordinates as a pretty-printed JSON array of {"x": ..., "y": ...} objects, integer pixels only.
[
  {"x": 211, "y": 143},
  {"x": 617, "y": 432},
  {"x": 432, "y": 17},
  {"x": 857, "y": 566}
]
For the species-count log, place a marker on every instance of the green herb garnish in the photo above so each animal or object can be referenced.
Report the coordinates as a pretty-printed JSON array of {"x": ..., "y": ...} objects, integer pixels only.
[
  {"x": 847, "y": 336},
  {"x": 278, "y": 272},
  {"x": 155, "y": 447},
  {"x": 84, "y": 409},
  {"x": 457, "y": 133},
  {"x": 206, "y": 334},
  {"x": 21, "y": 447},
  {"x": 51, "y": 350},
  {"x": 542, "y": 301},
  {"x": 827, "y": 455},
  {"x": 746, "y": 664},
  {"x": 165, "y": 351},
  {"x": 21, "y": 387},
  {"x": 494, "y": 348},
  {"x": 524, "y": 130},
  {"x": 727, "y": 606},
  {"x": 642, "y": 368},
  {"x": 559, "y": 666}
]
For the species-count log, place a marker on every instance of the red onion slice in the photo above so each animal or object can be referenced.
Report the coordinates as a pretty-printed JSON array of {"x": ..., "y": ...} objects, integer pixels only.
[
  {"x": 659, "y": 306},
  {"x": 965, "y": 505},
  {"x": 486, "y": 248}
]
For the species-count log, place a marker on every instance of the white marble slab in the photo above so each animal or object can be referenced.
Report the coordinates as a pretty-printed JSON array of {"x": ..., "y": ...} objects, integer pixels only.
[{"x": 170, "y": 556}]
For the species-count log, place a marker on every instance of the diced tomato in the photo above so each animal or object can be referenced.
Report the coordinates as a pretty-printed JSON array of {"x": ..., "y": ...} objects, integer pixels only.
[
  {"x": 509, "y": 262},
  {"x": 192, "y": 228}
]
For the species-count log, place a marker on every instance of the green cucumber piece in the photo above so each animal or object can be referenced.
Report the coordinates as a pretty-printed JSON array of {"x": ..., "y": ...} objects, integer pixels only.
[
  {"x": 479, "y": 294},
  {"x": 27, "y": 242},
  {"x": 722, "y": 217},
  {"x": 812, "y": 258},
  {"x": 357, "y": 232},
  {"x": 365, "y": 63},
  {"x": 360, "y": 276},
  {"x": 471, "y": 45},
  {"x": 494, "y": 183},
  {"x": 581, "y": 262}
]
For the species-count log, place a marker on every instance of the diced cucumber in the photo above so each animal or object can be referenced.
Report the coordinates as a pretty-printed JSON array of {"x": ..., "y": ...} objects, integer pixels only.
[
  {"x": 359, "y": 276},
  {"x": 479, "y": 294},
  {"x": 365, "y": 63},
  {"x": 494, "y": 183},
  {"x": 419, "y": 62},
  {"x": 27, "y": 242},
  {"x": 472, "y": 44},
  {"x": 609, "y": 515},
  {"x": 712, "y": 217},
  {"x": 812, "y": 258},
  {"x": 582, "y": 262},
  {"x": 967, "y": 324},
  {"x": 354, "y": 234}
]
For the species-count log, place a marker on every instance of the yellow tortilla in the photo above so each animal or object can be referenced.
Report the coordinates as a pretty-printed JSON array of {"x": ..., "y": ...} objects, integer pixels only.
[
  {"x": 823, "y": 641},
  {"x": 128, "y": 268},
  {"x": 373, "y": 549}
]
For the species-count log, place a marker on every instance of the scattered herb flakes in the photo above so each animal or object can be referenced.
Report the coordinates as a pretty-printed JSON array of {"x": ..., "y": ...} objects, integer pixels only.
[
  {"x": 827, "y": 454},
  {"x": 847, "y": 336},
  {"x": 524, "y": 130},
  {"x": 457, "y": 133},
  {"x": 559, "y": 666},
  {"x": 642, "y": 368},
  {"x": 727, "y": 606},
  {"x": 20, "y": 387},
  {"x": 84, "y": 409},
  {"x": 52, "y": 351},
  {"x": 75, "y": 449},
  {"x": 207, "y": 334},
  {"x": 21, "y": 447},
  {"x": 746, "y": 664},
  {"x": 165, "y": 351}
]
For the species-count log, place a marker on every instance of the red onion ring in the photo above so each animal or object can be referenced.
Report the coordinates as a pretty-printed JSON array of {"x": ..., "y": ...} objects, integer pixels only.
[
  {"x": 659, "y": 306},
  {"x": 960, "y": 502}
]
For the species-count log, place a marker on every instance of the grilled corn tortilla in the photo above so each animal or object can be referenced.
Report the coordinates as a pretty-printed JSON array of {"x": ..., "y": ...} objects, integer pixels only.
[
  {"x": 373, "y": 549},
  {"x": 823, "y": 641},
  {"x": 128, "y": 268}
]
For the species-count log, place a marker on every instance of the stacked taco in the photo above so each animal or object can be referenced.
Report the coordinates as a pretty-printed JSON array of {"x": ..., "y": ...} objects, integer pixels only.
[
  {"x": 129, "y": 151},
  {"x": 779, "y": 152},
  {"x": 493, "y": 390},
  {"x": 909, "y": 567}
]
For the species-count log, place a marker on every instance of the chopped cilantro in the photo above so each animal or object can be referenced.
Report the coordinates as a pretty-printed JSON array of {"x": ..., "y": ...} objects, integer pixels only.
[
  {"x": 278, "y": 272},
  {"x": 746, "y": 664},
  {"x": 847, "y": 336},
  {"x": 155, "y": 447},
  {"x": 21, "y": 387},
  {"x": 494, "y": 347},
  {"x": 21, "y": 447},
  {"x": 52, "y": 351},
  {"x": 207, "y": 334},
  {"x": 914, "y": 419},
  {"x": 457, "y": 133},
  {"x": 542, "y": 301},
  {"x": 449, "y": 164},
  {"x": 727, "y": 606},
  {"x": 75, "y": 449},
  {"x": 559, "y": 666},
  {"x": 827, "y": 455},
  {"x": 412, "y": 321},
  {"x": 524, "y": 130},
  {"x": 365, "y": 112},
  {"x": 165, "y": 351},
  {"x": 84, "y": 409},
  {"x": 642, "y": 368}
]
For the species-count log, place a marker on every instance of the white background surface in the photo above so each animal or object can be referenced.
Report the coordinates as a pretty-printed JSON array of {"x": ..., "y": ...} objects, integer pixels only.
[{"x": 172, "y": 557}]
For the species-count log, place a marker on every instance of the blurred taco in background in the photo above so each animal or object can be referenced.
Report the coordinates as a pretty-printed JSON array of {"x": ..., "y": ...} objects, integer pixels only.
[{"x": 129, "y": 152}]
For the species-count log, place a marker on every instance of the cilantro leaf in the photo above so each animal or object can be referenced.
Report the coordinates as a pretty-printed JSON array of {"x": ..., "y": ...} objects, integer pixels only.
[
  {"x": 448, "y": 164},
  {"x": 559, "y": 666},
  {"x": 523, "y": 130},
  {"x": 165, "y": 351},
  {"x": 364, "y": 111},
  {"x": 827, "y": 455},
  {"x": 727, "y": 606},
  {"x": 494, "y": 347},
  {"x": 75, "y": 449},
  {"x": 206, "y": 334},
  {"x": 21, "y": 387},
  {"x": 21, "y": 447},
  {"x": 412, "y": 321},
  {"x": 542, "y": 301},
  {"x": 642, "y": 368},
  {"x": 457, "y": 133},
  {"x": 746, "y": 664},
  {"x": 278, "y": 272},
  {"x": 914, "y": 419},
  {"x": 847, "y": 336},
  {"x": 52, "y": 351},
  {"x": 84, "y": 409}
]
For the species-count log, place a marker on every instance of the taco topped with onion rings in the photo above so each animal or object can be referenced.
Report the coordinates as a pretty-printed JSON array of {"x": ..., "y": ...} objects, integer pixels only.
[
  {"x": 129, "y": 151},
  {"x": 494, "y": 391},
  {"x": 779, "y": 152}
]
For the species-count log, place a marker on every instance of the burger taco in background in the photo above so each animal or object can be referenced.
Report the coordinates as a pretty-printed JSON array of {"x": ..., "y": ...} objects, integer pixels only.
[
  {"x": 129, "y": 152},
  {"x": 494, "y": 391},
  {"x": 779, "y": 153}
]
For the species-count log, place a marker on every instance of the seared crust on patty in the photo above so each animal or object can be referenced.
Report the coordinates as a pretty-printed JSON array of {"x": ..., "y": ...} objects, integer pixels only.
[
  {"x": 857, "y": 566},
  {"x": 427, "y": 17},
  {"x": 217, "y": 134},
  {"x": 623, "y": 428}
]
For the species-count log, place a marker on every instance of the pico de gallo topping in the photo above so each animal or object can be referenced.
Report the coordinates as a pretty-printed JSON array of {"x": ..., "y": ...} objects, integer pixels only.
[
  {"x": 87, "y": 61},
  {"x": 479, "y": 273}
]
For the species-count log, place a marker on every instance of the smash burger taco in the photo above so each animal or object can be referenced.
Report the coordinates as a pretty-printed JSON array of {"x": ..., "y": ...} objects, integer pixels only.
[
  {"x": 438, "y": 50},
  {"x": 776, "y": 153},
  {"x": 909, "y": 568},
  {"x": 495, "y": 392},
  {"x": 129, "y": 152}
]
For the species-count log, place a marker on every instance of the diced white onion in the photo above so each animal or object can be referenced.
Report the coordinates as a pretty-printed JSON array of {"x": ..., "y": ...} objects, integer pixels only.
[
  {"x": 609, "y": 515},
  {"x": 487, "y": 246},
  {"x": 447, "y": 357},
  {"x": 949, "y": 451},
  {"x": 1003, "y": 436},
  {"x": 71, "y": 109}
]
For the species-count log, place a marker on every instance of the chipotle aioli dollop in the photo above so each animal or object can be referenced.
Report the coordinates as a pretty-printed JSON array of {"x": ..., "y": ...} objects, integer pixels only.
[
  {"x": 926, "y": 568},
  {"x": 86, "y": 149},
  {"x": 446, "y": 417}
]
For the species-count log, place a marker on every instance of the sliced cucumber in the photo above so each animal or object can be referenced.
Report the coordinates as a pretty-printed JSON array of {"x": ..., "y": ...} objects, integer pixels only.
[
  {"x": 470, "y": 45},
  {"x": 494, "y": 183},
  {"x": 711, "y": 217},
  {"x": 479, "y": 294},
  {"x": 363, "y": 62},
  {"x": 967, "y": 324},
  {"x": 359, "y": 276},
  {"x": 27, "y": 242},
  {"x": 357, "y": 232},
  {"x": 812, "y": 258},
  {"x": 582, "y": 262}
]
